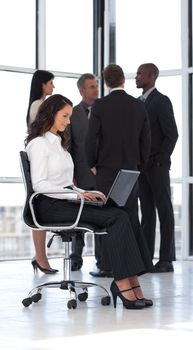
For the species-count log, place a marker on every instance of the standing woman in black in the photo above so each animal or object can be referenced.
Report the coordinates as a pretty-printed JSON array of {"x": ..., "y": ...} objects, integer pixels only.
[
  {"x": 41, "y": 87},
  {"x": 51, "y": 170}
]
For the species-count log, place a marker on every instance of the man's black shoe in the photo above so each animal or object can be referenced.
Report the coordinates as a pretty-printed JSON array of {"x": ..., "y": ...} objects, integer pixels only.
[
  {"x": 101, "y": 273},
  {"x": 163, "y": 266},
  {"x": 76, "y": 265}
]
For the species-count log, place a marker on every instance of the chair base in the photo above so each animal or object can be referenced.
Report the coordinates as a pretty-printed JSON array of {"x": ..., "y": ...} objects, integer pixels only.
[{"x": 35, "y": 294}]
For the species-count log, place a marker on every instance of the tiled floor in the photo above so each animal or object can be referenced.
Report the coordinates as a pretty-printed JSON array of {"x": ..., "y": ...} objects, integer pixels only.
[{"x": 50, "y": 325}]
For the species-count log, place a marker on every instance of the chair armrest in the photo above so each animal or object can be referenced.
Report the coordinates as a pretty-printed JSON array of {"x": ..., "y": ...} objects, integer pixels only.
[{"x": 67, "y": 227}]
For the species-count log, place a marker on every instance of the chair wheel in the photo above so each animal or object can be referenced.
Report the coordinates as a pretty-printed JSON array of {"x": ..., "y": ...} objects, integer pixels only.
[
  {"x": 72, "y": 304},
  {"x": 83, "y": 296},
  {"x": 106, "y": 300},
  {"x": 36, "y": 297},
  {"x": 27, "y": 301}
]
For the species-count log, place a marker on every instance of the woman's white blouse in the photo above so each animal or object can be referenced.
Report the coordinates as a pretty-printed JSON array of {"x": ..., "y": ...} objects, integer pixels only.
[
  {"x": 33, "y": 109},
  {"x": 51, "y": 166}
]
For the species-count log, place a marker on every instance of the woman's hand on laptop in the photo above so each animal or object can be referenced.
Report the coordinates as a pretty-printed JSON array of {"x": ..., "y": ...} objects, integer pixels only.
[{"x": 94, "y": 196}]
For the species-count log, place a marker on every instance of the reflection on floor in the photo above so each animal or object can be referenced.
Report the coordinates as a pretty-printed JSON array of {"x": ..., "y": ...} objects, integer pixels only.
[{"x": 50, "y": 325}]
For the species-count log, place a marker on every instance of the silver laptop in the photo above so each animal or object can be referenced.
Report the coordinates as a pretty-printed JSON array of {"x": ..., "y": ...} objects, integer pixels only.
[{"x": 120, "y": 189}]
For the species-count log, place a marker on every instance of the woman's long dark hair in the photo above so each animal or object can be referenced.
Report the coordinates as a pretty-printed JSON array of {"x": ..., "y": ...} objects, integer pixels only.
[
  {"x": 45, "y": 119},
  {"x": 36, "y": 92}
]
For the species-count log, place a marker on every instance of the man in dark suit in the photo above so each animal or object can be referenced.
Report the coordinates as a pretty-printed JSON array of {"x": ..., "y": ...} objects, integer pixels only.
[
  {"x": 118, "y": 137},
  {"x": 154, "y": 180},
  {"x": 84, "y": 178}
]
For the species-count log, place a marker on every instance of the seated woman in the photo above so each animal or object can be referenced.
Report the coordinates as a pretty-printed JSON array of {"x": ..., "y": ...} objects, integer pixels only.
[{"x": 52, "y": 170}]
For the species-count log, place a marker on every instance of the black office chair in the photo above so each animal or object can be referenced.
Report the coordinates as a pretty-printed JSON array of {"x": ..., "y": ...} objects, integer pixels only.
[{"x": 64, "y": 230}]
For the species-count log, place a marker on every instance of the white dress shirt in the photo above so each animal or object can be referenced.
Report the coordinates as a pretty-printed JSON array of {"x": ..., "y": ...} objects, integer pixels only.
[
  {"x": 117, "y": 88},
  {"x": 51, "y": 166},
  {"x": 146, "y": 94}
]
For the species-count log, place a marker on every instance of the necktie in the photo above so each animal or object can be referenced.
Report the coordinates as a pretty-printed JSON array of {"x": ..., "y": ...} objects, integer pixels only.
[
  {"x": 142, "y": 98},
  {"x": 88, "y": 110}
]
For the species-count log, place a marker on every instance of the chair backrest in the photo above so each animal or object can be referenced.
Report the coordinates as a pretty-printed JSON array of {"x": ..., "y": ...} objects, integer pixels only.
[
  {"x": 27, "y": 216},
  {"x": 25, "y": 169}
]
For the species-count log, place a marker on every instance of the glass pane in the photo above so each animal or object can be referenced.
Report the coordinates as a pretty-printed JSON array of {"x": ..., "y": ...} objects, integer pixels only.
[
  {"x": 68, "y": 88},
  {"x": 17, "y": 28},
  {"x": 15, "y": 237},
  {"x": 176, "y": 191},
  {"x": 69, "y": 35},
  {"x": 13, "y": 124},
  {"x": 191, "y": 219},
  {"x": 170, "y": 86},
  {"x": 148, "y": 31},
  {"x": 176, "y": 194},
  {"x": 191, "y": 123},
  {"x": 14, "y": 92}
]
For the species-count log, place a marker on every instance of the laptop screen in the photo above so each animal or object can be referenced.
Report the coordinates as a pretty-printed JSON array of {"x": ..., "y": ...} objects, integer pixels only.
[{"x": 122, "y": 186}]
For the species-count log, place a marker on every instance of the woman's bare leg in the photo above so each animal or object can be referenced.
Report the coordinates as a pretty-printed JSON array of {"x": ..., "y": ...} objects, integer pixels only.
[
  {"x": 39, "y": 239},
  {"x": 134, "y": 282},
  {"x": 123, "y": 285}
]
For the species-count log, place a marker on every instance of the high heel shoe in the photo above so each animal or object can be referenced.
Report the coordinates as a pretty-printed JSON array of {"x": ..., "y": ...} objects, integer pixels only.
[
  {"x": 37, "y": 266},
  {"x": 128, "y": 304},
  {"x": 147, "y": 302}
]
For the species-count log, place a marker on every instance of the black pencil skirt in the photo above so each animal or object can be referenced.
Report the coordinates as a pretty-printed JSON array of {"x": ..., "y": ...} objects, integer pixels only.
[{"x": 128, "y": 255}]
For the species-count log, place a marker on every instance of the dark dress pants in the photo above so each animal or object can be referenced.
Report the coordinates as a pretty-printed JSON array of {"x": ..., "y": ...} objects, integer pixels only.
[
  {"x": 77, "y": 249},
  {"x": 78, "y": 241},
  {"x": 123, "y": 251},
  {"x": 105, "y": 178},
  {"x": 155, "y": 193}
]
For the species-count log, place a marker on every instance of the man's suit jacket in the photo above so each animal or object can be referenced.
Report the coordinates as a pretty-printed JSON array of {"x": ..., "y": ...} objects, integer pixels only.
[
  {"x": 164, "y": 132},
  {"x": 79, "y": 126},
  {"x": 119, "y": 137},
  {"x": 118, "y": 133}
]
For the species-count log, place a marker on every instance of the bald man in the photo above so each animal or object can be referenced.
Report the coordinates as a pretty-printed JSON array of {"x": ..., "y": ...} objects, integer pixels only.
[{"x": 154, "y": 180}]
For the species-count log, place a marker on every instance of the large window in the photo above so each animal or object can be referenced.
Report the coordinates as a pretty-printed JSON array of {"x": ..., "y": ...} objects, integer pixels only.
[
  {"x": 17, "y": 28},
  {"x": 56, "y": 35},
  {"x": 148, "y": 31},
  {"x": 190, "y": 127},
  {"x": 14, "y": 92},
  {"x": 144, "y": 34},
  {"x": 146, "y": 39},
  {"x": 69, "y": 35},
  {"x": 68, "y": 88},
  {"x": 190, "y": 32},
  {"x": 191, "y": 123},
  {"x": 191, "y": 218}
]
